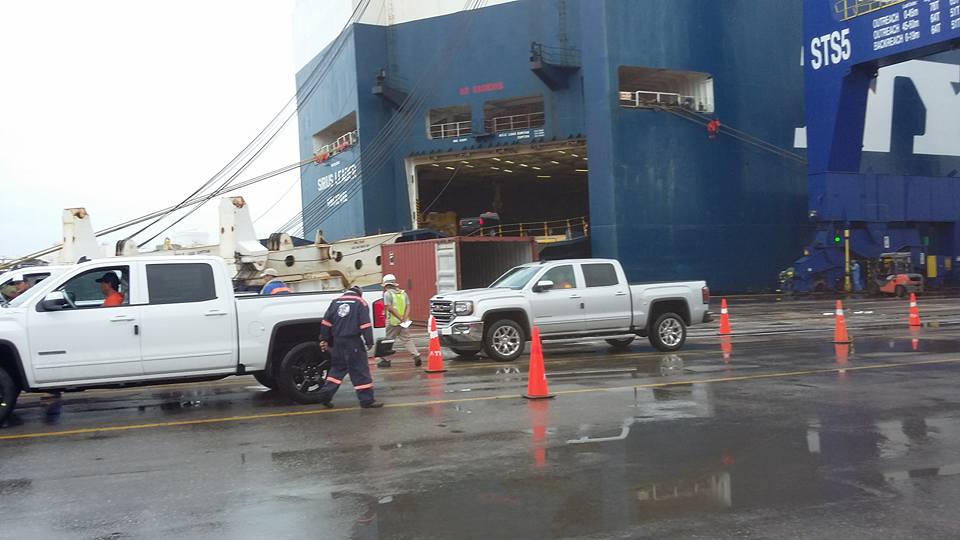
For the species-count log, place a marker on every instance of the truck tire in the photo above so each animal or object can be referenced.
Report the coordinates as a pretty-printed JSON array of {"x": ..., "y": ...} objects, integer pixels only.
[
  {"x": 620, "y": 344},
  {"x": 266, "y": 379},
  {"x": 9, "y": 392},
  {"x": 668, "y": 332},
  {"x": 504, "y": 340},
  {"x": 303, "y": 372},
  {"x": 462, "y": 353}
]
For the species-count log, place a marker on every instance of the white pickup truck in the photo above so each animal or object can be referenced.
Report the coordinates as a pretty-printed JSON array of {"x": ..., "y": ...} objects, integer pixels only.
[
  {"x": 179, "y": 321},
  {"x": 568, "y": 300}
]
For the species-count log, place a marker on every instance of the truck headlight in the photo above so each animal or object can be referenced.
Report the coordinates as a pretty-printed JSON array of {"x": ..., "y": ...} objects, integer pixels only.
[{"x": 463, "y": 308}]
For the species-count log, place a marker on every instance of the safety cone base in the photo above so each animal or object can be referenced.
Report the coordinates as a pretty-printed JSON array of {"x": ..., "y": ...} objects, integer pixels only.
[{"x": 546, "y": 396}]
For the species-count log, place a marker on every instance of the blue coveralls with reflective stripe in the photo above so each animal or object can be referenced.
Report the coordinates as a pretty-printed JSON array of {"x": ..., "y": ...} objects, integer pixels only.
[{"x": 347, "y": 321}]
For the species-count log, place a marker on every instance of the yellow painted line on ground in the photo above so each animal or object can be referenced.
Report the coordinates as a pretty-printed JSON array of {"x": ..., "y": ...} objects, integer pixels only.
[{"x": 312, "y": 412}]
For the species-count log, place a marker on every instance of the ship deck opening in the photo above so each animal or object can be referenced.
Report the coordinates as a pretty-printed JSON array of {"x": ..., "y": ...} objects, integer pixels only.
[{"x": 536, "y": 190}]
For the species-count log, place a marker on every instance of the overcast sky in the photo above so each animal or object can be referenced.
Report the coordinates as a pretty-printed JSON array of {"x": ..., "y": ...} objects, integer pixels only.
[{"x": 125, "y": 107}]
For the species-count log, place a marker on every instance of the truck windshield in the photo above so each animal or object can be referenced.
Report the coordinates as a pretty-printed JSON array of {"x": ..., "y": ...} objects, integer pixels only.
[{"x": 515, "y": 278}]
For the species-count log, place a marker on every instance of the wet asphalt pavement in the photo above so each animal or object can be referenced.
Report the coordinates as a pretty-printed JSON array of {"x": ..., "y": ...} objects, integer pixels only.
[{"x": 773, "y": 433}]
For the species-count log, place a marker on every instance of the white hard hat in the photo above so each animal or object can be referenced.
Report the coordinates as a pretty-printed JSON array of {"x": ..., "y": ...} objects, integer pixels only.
[
  {"x": 269, "y": 272},
  {"x": 389, "y": 279}
]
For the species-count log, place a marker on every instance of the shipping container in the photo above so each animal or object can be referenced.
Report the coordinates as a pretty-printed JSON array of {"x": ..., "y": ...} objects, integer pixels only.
[{"x": 429, "y": 267}]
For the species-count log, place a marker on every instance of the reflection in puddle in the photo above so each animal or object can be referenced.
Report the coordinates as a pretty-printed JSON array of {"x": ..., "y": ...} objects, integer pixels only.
[
  {"x": 928, "y": 472},
  {"x": 726, "y": 348},
  {"x": 706, "y": 493},
  {"x": 671, "y": 365}
]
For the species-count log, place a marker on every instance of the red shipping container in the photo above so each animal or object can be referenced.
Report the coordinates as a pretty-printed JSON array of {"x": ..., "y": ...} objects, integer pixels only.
[{"x": 427, "y": 267}]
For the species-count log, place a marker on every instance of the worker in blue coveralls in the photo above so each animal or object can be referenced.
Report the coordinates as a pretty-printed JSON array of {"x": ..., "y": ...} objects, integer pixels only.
[
  {"x": 857, "y": 281},
  {"x": 347, "y": 333}
]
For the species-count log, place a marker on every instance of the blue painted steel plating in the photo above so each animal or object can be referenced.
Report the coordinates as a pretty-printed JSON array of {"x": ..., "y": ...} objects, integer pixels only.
[{"x": 665, "y": 199}]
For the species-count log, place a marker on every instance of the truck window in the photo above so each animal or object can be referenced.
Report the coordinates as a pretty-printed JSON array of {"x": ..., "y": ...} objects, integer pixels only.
[
  {"x": 515, "y": 278},
  {"x": 180, "y": 283},
  {"x": 600, "y": 275},
  {"x": 87, "y": 292},
  {"x": 562, "y": 277}
]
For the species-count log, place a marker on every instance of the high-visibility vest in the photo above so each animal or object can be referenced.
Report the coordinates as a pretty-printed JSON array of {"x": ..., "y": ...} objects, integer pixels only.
[{"x": 399, "y": 303}]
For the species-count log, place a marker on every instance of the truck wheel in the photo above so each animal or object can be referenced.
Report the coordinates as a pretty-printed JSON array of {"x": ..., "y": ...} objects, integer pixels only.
[
  {"x": 620, "y": 344},
  {"x": 265, "y": 379},
  {"x": 504, "y": 341},
  {"x": 668, "y": 332},
  {"x": 9, "y": 392},
  {"x": 464, "y": 353},
  {"x": 303, "y": 372}
]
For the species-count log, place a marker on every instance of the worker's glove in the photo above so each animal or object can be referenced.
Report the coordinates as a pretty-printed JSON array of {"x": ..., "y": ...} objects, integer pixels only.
[{"x": 323, "y": 346}]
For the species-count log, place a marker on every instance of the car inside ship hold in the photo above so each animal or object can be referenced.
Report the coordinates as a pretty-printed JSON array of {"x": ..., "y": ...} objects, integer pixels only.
[{"x": 539, "y": 191}]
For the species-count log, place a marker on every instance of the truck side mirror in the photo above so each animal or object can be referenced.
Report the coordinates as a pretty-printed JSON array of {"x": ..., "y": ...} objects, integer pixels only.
[
  {"x": 543, "y": 286},
  {"x": 54, "y": 301}
]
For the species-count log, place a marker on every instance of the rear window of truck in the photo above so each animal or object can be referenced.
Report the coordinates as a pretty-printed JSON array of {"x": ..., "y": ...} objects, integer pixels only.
[
  {"x": 180, "y": 283},
  {"x": 600, "y": 275}
]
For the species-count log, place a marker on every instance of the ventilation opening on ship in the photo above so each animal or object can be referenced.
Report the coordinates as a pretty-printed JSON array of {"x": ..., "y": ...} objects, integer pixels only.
[{"x": 538, "y": 191}]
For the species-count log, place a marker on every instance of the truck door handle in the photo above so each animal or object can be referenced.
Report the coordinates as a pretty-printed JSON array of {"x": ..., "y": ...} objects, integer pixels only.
[
  {"x": 215, "y": 313},
  {"x": 575, "y": 296},
  {"x": 121, "y": 318},
  {"x": 621, "y": 293}
]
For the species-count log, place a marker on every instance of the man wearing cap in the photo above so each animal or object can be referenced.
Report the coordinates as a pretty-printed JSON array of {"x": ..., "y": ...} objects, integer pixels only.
[
  {"x": 273, "y": 284},
  {"x": 346, "y": 331},
  {"x": 110, "y": 287},
  {"x": 18, "y": 286},
  {"x": 397, "y": 304}
]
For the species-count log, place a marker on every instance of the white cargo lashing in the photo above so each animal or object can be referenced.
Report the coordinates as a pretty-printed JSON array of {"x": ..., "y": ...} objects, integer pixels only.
[{"x": 79, "y": 241}]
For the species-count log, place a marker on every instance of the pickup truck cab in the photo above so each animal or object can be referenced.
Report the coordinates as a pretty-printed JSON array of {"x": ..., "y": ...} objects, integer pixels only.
[
  {"x": 179, "y": 320},
  {"x": 568, "y": 300}
]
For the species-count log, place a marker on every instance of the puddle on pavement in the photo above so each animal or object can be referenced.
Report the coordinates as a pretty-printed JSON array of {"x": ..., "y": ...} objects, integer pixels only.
[
  {"x": 876, "y": 345},
  {"x": 9, "y": 488},
  {"x": 621, "y": 479}
]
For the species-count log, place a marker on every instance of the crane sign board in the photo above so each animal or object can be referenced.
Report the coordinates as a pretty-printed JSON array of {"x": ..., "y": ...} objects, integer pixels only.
[{"x": 845, "y": 42}]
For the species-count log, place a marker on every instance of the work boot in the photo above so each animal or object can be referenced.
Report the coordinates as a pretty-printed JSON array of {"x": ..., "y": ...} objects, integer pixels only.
[
  {"x": 417, "y": 361},
  {"x": 372, "y": 405},
  {"x": 383, "y": 363},
  {"x": 327, "y": 404}
]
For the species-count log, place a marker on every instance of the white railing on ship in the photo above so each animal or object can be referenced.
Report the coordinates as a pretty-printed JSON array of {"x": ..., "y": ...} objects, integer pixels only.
[
  {"x": 643, "y": 98},
  {"x": 341, "y": 143},
  {"x": 451, "y": 129},
  {"x": 517, "y": 121}
]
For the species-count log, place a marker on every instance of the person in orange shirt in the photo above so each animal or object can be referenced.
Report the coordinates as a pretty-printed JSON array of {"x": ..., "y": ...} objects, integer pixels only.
[{"x": 109, "y": 283}]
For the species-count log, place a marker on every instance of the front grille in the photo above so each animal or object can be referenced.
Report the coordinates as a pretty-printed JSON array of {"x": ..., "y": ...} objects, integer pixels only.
[{"x": 442, "y": 311}]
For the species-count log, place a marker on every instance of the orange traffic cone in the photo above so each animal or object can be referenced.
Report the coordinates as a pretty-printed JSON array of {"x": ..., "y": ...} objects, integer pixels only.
[
  {"x": 724, "y": 319},
  {"x": 435, "y": 358},
  {"x": 537, "y": 378},
  {"x": 840, "y": 326},
  {"x": 914, "y": 311}
]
